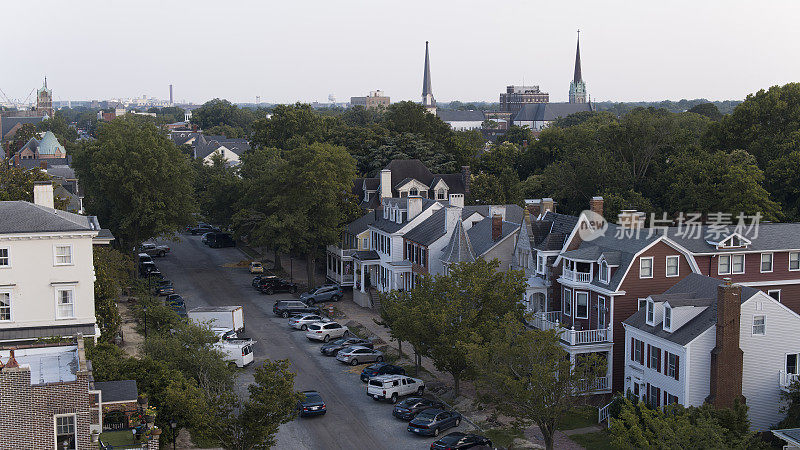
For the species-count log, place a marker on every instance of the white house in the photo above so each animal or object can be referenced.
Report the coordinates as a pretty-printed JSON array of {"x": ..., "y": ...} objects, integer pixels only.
[
  {"x": 46, "y": 269},
  {"x": 706, "y": 340}
]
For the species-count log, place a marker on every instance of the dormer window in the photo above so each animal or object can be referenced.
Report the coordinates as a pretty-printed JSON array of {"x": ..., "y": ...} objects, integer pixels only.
[
  {"x": 392, "y": 213},
  {"x": 733, "y": 241},
  {"x": 441, "y": 194},
  {"x": 603, "y": 271},
  {"x": 651, "y": 312},
  {"x": 667, "y": 318},
  {"x": 413, "y": 191}
]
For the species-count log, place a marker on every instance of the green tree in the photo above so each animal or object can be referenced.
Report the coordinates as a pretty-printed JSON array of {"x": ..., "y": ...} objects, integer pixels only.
[
  {"x": 225, "y": 130},
  {"x": 290, "y": 127},
  {"x": 222, "y": 112},
  {"x": 253, "y": 424},
  {"x": 218, "y": 189},
  {"x": 527, "y": 375},
  {"x": 517, "y": 135},
  {"x": 136, "y": 181},
  {"x": 19, "y": 139},
  {"x": 17, "y": 184},
  {"x": 674, "y": 426},
  {"x": 112, "y": 271},
  {"x": 709, "y": 110},
  {"x": 170, "y": 114}
]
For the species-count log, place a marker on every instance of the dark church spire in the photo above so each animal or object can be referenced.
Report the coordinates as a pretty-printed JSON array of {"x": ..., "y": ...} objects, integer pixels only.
[
  {"x": 577, "y": 78},
  {"x": 427, "y": 93}
]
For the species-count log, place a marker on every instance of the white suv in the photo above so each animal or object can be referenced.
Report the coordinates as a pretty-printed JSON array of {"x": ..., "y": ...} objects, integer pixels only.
[
  {"x": 325, "y": 331},
  {"x": 390, "y": 387}
]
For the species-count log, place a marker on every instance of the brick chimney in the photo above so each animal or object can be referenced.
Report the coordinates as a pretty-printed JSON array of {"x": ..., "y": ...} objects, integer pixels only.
[
  {"x": 548, "y": 205},
  {"x": 465, "y": 179},
  {"x": 497, "y": 227},
  {"x": 534, "y": 207},
  {"x": 43, "y": 194},
  {"x": 727, "y": 356},
  {"x": 596, "y": 205}
]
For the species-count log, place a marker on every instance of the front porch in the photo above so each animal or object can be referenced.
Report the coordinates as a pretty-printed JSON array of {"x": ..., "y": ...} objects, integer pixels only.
[
  {"x": 339, "y": 267},
  {"x": 570, "y": 336}
]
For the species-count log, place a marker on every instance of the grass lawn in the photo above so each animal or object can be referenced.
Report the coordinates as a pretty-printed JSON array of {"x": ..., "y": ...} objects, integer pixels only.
[
  {"x": 581, "y": 417},
  {"x": 599, "y": 440},
  {"x": 503, "y": 437},
  {"x": 114, "y": 438}
]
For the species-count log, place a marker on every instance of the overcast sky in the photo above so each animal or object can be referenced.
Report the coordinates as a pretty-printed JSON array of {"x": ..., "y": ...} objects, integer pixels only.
[{"x": 302, "y": 50}]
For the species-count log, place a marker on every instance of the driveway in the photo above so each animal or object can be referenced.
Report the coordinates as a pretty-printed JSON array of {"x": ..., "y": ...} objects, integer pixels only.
[{"x": 208, "y": 277}]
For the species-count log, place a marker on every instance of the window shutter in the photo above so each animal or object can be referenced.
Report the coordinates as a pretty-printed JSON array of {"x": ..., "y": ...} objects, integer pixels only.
[
  {"x": 665, "y": 398},
  {"x": 677, "y": 367},
  {"x": 641, "y": 355},
  {"x": 658, "y": 396},
  {"x": 658, "y": 361},
  {"x": 648, "y": 355},
  {"x": 633, "y": 351},
  {"x": 647, "y": 394}
]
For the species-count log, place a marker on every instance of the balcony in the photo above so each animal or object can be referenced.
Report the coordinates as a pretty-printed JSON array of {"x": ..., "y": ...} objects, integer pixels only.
[
  {"x": 574, "y": 275},
  {"x": 550, "y": 321},
  {"x": 785, "y": 380},
  {"x": 598, "y": 384}
]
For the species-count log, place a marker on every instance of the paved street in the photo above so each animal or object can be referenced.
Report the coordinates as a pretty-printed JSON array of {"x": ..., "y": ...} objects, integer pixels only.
[{"x": 353, "y": 421}]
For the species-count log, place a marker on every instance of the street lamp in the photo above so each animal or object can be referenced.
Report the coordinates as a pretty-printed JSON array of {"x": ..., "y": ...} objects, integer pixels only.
[
  {"x": 173, "y": 425},
  {"x": 145, "y": 321}
]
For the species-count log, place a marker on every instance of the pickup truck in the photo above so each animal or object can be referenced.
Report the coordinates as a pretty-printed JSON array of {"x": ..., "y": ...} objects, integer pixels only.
[{"x": 390, "y": 387}]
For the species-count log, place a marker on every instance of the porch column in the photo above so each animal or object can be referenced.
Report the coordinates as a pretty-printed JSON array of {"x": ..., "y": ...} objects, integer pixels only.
[{"x": 363, "y": 280}]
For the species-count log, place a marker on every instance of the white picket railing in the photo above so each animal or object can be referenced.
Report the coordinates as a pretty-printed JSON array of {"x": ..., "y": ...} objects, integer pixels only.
[
  {"x": 785, "y": 380},
  {"x": 602, "y": 415},
  {"x": 581, "y": 277},
  {"x": 593, "y": 385},
  {"x": 549, "y": 321}
]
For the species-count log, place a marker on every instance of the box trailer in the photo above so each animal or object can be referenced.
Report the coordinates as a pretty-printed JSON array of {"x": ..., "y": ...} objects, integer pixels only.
[{"x": 231, "y": 317}]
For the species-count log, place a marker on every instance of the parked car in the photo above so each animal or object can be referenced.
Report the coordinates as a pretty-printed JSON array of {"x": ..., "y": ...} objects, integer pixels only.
[
  {"x": 271, "y": 285},
  {"x": 325, "y": 293},
  {"x": 286, "y": 308},
  {"x": 332, "y": 348},
  {"x": 256, "y": 267},
  {"x": 173, "y": 298},
  {"x": 204, "y": 237},
  {"x": 220, "y": 240},
  {"x": 461, "y": 441},
  {"x": 391, "y": 387},
  {"x": 410, "y": 407},
  {"x": 236, "y": 350},
  {"x": 325, "y": 331},
  {"x": 146, "y": 267},
  {"x": 201, "y": 228},
  {"x": 144, "y": 257},
  {"x": 164, "y": 287},
  {"x": 302, "y": 321},
  {"x": 311, "y": 404},
  {"x": 431, "y": 421},
  {"x": 356, "y": 355},
  {"x": 379, "y": 369},
  {"x": 154, "y": 249},
  {"x": 176, "y": 303}
]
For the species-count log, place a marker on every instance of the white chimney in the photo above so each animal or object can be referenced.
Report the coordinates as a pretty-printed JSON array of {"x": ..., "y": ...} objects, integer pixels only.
[
  {"x": 414, "y": 206},
  {"x": 43, "y": 194},
  {"x": 386, "y": 183},
  {"x": 497, "y": 210},
  {"x": 457, "y": 200},
  {"x": 452, "y": 215}
]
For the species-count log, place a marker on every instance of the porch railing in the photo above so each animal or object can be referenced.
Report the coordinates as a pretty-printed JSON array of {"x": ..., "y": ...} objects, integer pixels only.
[
  {"x": 593, "y": 385},
  {"x": 574, "y": 275},
  {"x": 785, "y": 380},
  {"x": 549, "y": 321},
  {"x": 603, "y": 415}
]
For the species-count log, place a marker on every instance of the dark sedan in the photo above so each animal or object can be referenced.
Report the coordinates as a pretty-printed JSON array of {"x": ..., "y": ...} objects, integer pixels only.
[
  {"x": 410, "y": 407},
  {"x": 432, "y": 421},
  {"x": 461, "y": 441},
  {"x": 311, "y": 404},
  {"x": 271, "y": 285},
  {"x": 257, "y": 279},
  {"x": 330, "y": 349},
  {"x": 286, "y": 308},
  {"x": 164, "y": 287},
  {"x": 373, "y": 370}
]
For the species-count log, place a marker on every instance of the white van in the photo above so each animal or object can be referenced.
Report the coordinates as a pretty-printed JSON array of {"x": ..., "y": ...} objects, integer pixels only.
[
  {"x": 231, "y": 317},
  {"x": 239, "y": 351}
]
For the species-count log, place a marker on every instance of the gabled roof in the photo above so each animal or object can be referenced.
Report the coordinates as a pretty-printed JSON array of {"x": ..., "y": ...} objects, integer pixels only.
[
  {"x": 205, "y": 146},
  {"x": 771, "y": 236},
  {"x": 693, "y": 290},
  {"x": 25, "y": 217},
  {"x": 118, "y": 391},
  {"x": 459, "y": 249},
  {"x": 548, "y": 112},
  {"x": 514, "y": 213},
  {"x": 32, "y": 145},
  {"x": 391, "y": 226},
  {"x": 9, "y": 122},
  {"x": 550, "y": 232},
  {"x": 449, "y": 115},
  {"x": 429, "y": 230},
  {"x": 361, "y": 224},
  {"x": 480, "y": 235}
]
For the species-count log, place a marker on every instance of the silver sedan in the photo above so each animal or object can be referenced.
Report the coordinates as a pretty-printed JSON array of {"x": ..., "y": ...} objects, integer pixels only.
[
  {"x": 356, "y": 355},
  {"x": 302, "y": 321}
]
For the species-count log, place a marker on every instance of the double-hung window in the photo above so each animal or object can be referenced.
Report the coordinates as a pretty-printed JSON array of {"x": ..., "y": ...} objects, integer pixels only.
[
  {"x": 567, "y": 302},
  {"x": 724, "y": 265},
  {"x": 737, "y": 264},
  {"x": 667, "y": 318},
  {"x": 672, "y": 265},
  {"x": 63, "y": 255},
  {"x": 759, "y": 325},
  {"x": 766, "y": 262},
  {"x": 646, "y": 267},
  {"x": 603, "y": 275},
  {"x": 66, "y": 436},
  {"x": 792, "y": 363},
  {"x": 5, "y": 306},
  {"x": 671, "y": 368},
  {"x": 5, "y": 257},
  {"x": 65, "y": 303},
  {"x": 794, "y": 260},
  {"x": 651, "y": 312}
]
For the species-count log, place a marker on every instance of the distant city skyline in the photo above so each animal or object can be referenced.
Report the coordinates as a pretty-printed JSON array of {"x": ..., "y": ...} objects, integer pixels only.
[{"x": 305, "y": 51}]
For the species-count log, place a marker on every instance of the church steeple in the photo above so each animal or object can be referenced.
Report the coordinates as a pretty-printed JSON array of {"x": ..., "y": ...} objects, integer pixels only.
[
  {"x": 577, "y": 76},
  {"x": 577, "y": 87},
  {"x": 427, "y": 93}
]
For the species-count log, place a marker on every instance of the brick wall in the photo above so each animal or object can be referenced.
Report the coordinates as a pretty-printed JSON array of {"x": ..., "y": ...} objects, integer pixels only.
[{"x": 28, "y": 411}]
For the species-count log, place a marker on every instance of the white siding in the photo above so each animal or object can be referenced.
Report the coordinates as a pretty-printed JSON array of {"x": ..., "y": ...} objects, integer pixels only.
[
  {"x": 698, "y": 363},
  {"x": 647, "y": 375},
  {"x": 765, "y": 357}
]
